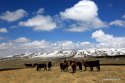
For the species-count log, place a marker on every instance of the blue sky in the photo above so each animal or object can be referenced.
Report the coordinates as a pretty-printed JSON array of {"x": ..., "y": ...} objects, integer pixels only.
[{"x": 43, "y": 25}]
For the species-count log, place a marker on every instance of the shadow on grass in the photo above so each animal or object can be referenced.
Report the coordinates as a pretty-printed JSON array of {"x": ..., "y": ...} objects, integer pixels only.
[{"x": 5, "y": 69}]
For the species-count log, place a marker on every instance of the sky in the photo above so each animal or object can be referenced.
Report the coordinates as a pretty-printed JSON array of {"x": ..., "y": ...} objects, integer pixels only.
[{"x": 28, "y": 26}]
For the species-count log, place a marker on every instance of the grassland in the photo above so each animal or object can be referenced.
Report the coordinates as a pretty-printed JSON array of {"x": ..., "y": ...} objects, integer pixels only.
[{"x": 108, "y": 74}]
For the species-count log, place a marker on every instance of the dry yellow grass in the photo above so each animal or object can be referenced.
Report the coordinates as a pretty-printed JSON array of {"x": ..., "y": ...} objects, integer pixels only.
[{"x": 108, "y": 74}]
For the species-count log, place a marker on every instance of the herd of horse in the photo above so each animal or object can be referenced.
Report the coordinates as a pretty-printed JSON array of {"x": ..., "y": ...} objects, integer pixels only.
[
  {"x": 39, "y": 66},
  {"x": 66, "y": 63}
]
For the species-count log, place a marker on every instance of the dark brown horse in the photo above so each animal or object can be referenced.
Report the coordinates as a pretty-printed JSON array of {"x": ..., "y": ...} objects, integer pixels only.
[
  {"x": 78, "y": 63},
  {"x": 64, "y": 66},
  {"x": 73, "y": 65},
  {"x": 91, "y": 64},
  {"x": 49, "y": 65}
]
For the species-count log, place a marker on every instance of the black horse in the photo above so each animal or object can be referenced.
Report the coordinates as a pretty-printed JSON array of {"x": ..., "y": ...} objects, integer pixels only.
[
  {"x": 39, "y": 66},
  {"x": 79, "y": 64},
  {"x": 35, "y": 64},
  {"x": 92, "y": 64},
  {"x": 28, "y": 65},
  {"x": 49, "y": 65}
]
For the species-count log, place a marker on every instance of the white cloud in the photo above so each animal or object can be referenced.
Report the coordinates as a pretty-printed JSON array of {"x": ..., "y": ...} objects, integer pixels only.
[
  {"x": 82, "y": 11},
  {"x": 66, "y": 45},
  {"x": 24, "y": 45},
  {"x": 40, "y": 11},
  {"x": 11, "y": 16},
  {"x": 21, "y": 45},
  {"x": 106, "y": 40},
  {"x": 85, "y": 13},
  {"x": 84, "y": 26},
  {"x": 3, "y": 30},
  {"x": 85, "y": 43},
  {"x": 40, "y": 23},
  {"x": 120, "y": 23},
  {"x": 22, "y": 40},
  {"x": 37, "y": 44}
]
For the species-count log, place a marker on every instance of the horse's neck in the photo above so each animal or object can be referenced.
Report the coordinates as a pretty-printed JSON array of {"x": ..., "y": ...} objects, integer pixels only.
[{"x": 83, "y": 61}]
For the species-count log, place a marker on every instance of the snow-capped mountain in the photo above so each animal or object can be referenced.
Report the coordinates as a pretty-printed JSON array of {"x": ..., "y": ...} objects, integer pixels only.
[{"x": 72, "y": 53}]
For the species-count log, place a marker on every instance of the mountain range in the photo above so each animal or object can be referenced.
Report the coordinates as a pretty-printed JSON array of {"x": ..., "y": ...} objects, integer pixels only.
[{"x": 71, "y": 53}]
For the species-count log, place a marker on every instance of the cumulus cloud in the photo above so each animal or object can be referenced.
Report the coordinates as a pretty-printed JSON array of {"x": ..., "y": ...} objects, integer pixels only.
[
  {"x": 107, "y": 40},
  {"x": 120, "y": 23},
  {"x": 82, "y": 11},
  {"x": 11, "y": 16},
  {"x": 3, "y": 30},
  {"x": 40, "y": 23},
  {"x": 85, "y": 15}
]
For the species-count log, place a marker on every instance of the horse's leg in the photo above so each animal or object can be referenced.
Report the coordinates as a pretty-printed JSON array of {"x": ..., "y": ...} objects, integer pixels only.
[
  {"x": 61, "y": 69},
  {"x": 80, "y": 67},
  {"x": 98, "y": 67},
  {"x": 45, "y": 68},
  {"x": 91, "y": 68},
  {"x": 48, "y": 68},
  {"x": 85, "y": 68},
  {"x": 72, "y": 70},
  {"x": 37, "y": 69},
  {"x": 67, "y": 69}
]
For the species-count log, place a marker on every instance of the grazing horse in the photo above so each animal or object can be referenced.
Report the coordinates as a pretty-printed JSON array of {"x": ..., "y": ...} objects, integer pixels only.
[
  {"x": 92, "y": 64},
  {"x": 73, "y": 65},
  {"x": 64, "y": 66},
  {"x": 39, "y": 66},
  {"x": 49, "y": 65},
  {"x": 28, "y": 65},
  {"x": 35, "y": 64},
  {"x": 79, "y": 64}
]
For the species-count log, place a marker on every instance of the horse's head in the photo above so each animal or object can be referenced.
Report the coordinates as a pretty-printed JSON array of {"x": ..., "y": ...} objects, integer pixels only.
[{"x": 83, "y": 61}]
